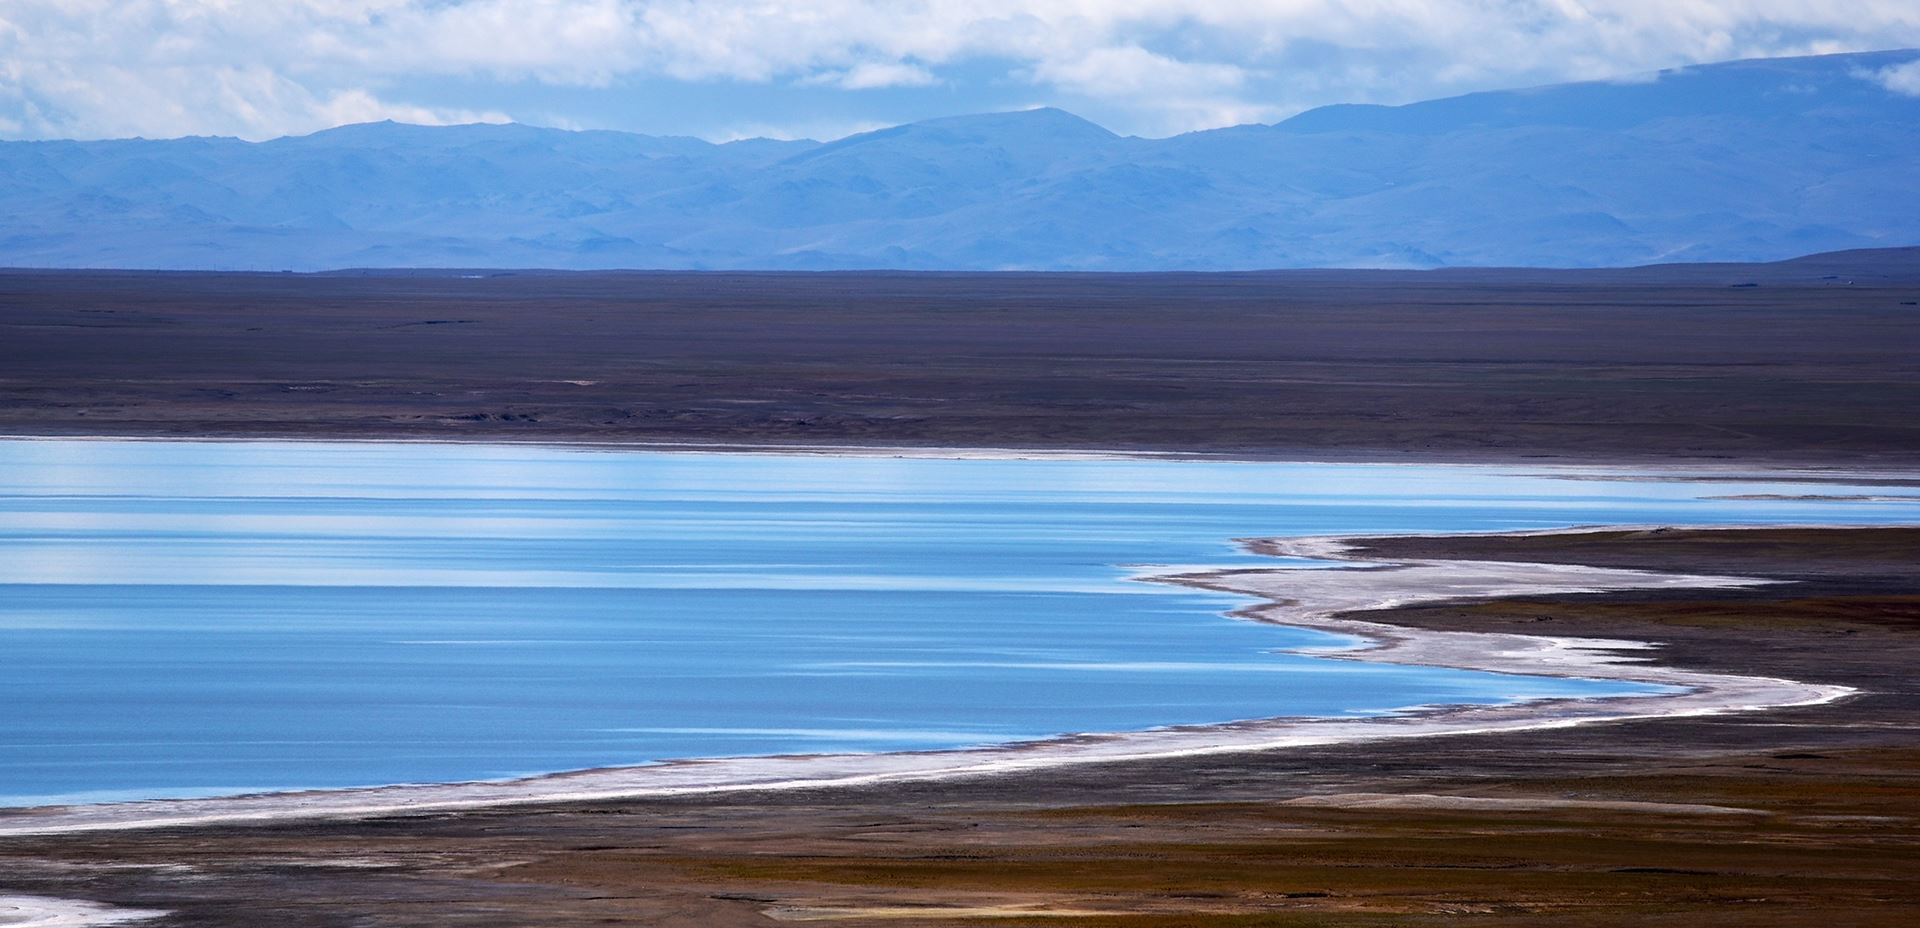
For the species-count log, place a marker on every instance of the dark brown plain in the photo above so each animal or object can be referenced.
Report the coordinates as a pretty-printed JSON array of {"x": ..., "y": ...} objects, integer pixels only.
[{"x": 1810, "y": 362}]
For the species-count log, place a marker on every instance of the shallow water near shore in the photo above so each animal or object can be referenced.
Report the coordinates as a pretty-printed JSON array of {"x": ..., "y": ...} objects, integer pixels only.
[{"x": 185, "y": 618}]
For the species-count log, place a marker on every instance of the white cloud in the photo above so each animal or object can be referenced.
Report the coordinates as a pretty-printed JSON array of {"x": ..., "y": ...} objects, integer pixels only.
[
  {"x": 167, "y": 67},
  {"x": 351, "y": 106},
  {"x": 872, "y": 75},
  {"x": 820, "y": 130},
  {"x": 1172, "y": 95},
  {"x": 1130, "y": 71},
  {"x": 1901, "y": 79}
]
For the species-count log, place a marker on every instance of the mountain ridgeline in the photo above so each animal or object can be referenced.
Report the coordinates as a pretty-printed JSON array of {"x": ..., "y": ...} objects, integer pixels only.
[{"x": 1748, "y": 160}]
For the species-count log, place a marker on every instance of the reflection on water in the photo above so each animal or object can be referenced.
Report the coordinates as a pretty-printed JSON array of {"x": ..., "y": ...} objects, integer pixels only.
[{"x": 197, "y": 618}]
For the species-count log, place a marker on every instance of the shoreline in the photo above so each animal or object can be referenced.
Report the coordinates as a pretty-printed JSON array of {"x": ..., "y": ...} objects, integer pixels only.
[
  {"x": 1304, "y": 598},
  {"x": 1628, "y": 469}
]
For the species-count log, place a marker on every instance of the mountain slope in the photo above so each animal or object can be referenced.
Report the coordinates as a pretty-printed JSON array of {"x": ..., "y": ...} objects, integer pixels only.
[{"x": 1750, "y": 160}]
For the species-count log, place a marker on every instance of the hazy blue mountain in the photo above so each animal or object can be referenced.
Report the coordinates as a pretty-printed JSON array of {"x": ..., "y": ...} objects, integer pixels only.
[{"x": 1749, "y": 160}]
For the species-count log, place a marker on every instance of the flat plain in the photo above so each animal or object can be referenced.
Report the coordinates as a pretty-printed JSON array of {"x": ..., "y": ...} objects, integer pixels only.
[{"x": 1810, "y": 361}]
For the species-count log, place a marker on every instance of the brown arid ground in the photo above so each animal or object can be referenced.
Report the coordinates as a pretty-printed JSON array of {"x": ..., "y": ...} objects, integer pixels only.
[
  {"x": 1801, "y": 362},
  {"x": 1800, "y": 817}
]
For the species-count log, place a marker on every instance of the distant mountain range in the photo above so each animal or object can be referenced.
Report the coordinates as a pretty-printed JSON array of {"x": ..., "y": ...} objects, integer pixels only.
[{"x": 1748, "y": 160}]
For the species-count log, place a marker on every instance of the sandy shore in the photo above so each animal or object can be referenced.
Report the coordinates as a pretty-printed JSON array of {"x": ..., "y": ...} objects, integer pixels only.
[
  {"x": 1621, "y": 471},
  {"x": 1306, "y": 598},
  {"x": 48, "y": 912}
]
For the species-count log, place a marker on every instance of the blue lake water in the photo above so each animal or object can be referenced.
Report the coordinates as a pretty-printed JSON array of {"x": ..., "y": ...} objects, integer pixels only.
[{"x": 181, "y": 619}]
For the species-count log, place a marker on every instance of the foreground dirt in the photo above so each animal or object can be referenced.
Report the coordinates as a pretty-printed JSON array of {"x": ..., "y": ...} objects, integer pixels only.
[
  {"x": 1808, "y": 361},
  {"x": 1797, "y": 817}
]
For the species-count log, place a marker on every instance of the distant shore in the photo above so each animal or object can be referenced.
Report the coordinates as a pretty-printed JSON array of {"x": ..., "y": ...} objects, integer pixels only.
[
  {"x": 1645, "y": 366},
  {"x": 1627, "y": 469}
]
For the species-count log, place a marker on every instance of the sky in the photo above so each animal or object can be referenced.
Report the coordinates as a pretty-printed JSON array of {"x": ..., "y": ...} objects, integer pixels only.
[{"x": 727, "y": 69}]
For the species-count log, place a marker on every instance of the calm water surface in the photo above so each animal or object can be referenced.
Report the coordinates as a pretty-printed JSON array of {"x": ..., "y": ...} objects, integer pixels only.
[{"x": 184, "y": 619}]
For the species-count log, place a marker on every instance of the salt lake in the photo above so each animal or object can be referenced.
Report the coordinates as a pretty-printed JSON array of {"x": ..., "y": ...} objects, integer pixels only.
[{"x": 201, "y": 618}]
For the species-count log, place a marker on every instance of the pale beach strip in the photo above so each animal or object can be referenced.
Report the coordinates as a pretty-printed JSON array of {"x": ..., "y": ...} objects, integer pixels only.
[
  {"x": 1620, "y": 471},
  {"x": 51, "y": 912}
]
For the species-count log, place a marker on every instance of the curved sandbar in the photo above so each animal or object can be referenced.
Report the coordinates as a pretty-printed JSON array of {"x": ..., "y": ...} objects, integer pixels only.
[{"x": 1307, "y": 598}]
